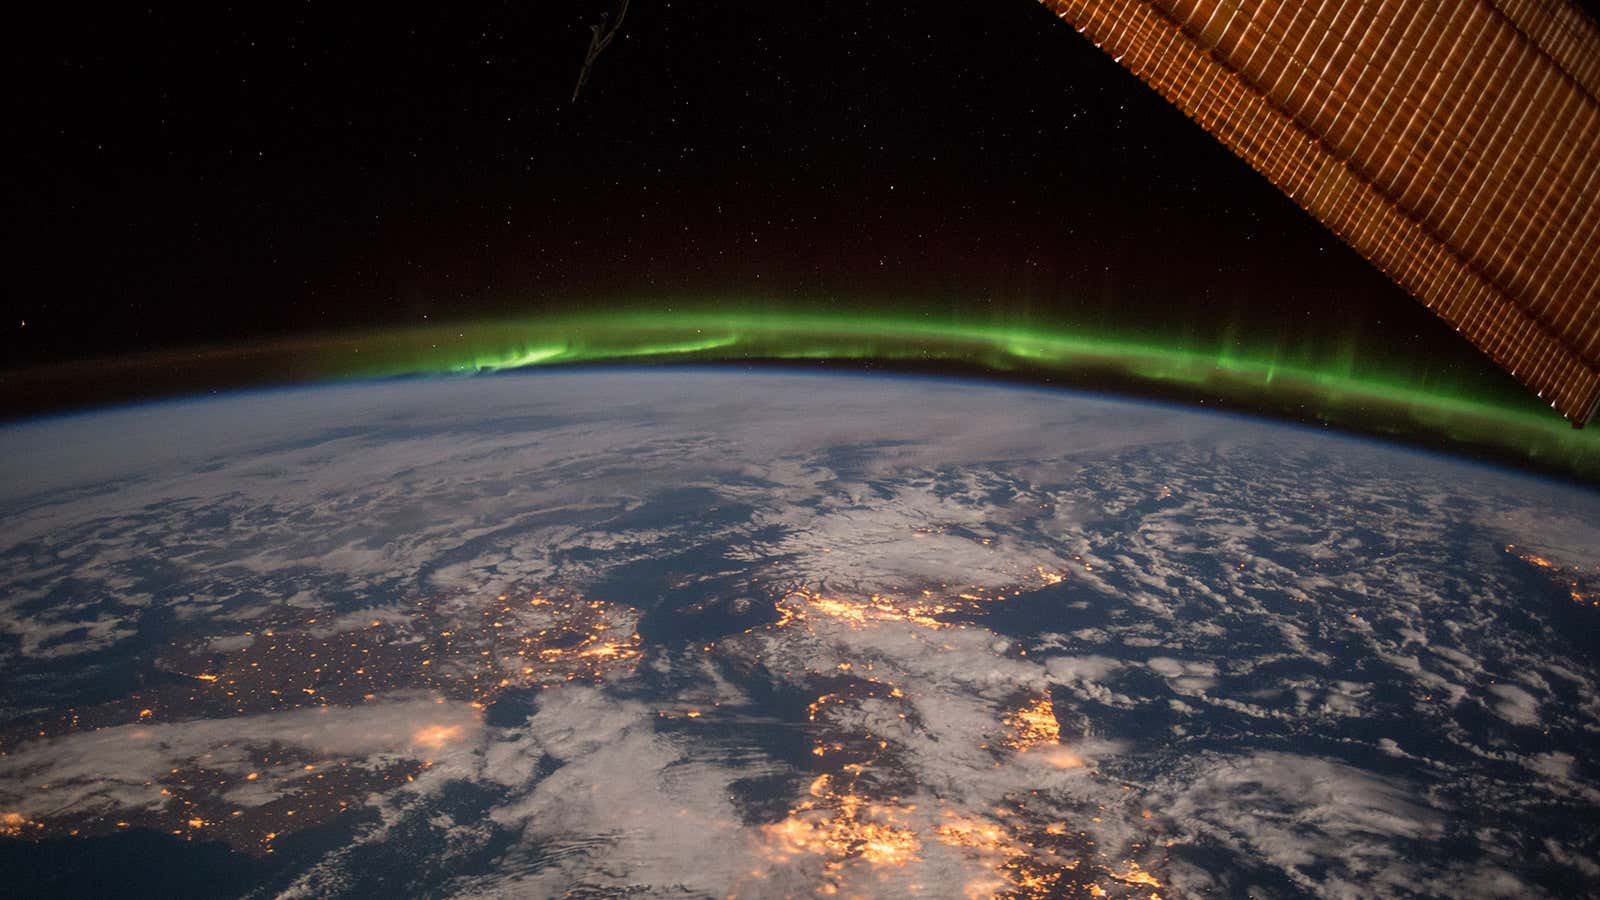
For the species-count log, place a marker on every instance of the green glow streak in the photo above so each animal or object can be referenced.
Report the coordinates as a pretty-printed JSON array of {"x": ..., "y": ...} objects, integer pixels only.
[
  {"x": 1336, "y": 392},
  {"x": 570, "y": 351}
]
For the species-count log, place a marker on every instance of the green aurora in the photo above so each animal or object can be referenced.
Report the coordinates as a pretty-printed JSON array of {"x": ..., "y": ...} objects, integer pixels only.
[{"x": 1473, "y": 411}]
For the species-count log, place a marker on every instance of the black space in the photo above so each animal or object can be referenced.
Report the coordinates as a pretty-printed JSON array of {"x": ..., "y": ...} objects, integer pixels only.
[{"x": 236, "y": 172}]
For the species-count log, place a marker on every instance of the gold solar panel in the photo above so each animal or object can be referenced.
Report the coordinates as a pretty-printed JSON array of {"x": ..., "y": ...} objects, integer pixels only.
[{"x": 1454, "y": 143}]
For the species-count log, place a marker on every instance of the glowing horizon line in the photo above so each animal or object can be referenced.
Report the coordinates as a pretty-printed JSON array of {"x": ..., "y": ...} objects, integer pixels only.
[
  {"x": 1467, "y": 410},
  {"x": 1036, "y": 346}
]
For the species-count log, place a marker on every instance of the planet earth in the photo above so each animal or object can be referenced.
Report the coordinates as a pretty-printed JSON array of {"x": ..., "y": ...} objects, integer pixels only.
[{"x": 719, "y": 632}]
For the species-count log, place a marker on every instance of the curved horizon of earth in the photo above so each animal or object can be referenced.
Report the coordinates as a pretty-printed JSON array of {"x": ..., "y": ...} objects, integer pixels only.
[{"x": 707, "y": 632}]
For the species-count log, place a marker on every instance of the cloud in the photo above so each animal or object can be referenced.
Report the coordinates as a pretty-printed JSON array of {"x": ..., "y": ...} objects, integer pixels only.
[
  {"x": 1516, "y": 705},
  {"x": 1328, "y": 826},
  {"x": 118, "y": 769},
  {"x": 1234, "y": 612}
]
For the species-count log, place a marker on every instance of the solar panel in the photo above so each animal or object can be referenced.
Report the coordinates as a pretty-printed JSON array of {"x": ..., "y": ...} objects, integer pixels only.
[{"x": 1454, "y": 144}]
